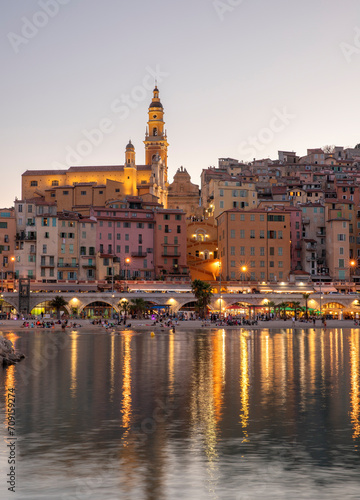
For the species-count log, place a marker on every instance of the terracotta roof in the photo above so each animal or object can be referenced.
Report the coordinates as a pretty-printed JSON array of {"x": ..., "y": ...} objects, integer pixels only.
[{"x": 44, "y": 172}]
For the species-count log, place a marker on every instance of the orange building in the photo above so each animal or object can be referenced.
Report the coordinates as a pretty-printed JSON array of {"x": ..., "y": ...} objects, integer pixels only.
[
  {"x": 7, "y": 247},
  {"x": 254, "y": 245},
  {"x": 85, "y": 186}
]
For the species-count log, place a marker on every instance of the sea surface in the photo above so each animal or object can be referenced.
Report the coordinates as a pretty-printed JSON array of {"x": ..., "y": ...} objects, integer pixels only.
[{"x": 195, "y": 415}]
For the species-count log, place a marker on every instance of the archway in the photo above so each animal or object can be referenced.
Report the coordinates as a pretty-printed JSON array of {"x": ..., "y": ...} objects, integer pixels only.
[
  {"x": 333, "y": 310},
  {"x": 98, "y": 310},
  {"x": 7, "y": 310},
  {"x": 44, "y": 309}
]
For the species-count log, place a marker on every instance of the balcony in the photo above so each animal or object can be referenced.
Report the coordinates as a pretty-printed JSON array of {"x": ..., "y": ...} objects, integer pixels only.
[
  {"x": 170, "y": 254},
  {"x": 306, "y": 220},
  {"x": 310, "y": 259},
  {"x": 66, "y": 264},
  {"x": 26, "y": 237},
  {"x": 138, "y": 254},
  {"x": 310, "y": 247}
]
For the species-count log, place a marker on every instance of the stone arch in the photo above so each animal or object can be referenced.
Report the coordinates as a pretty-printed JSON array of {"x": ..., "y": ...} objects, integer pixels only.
[{"x": 101, "y": 308}]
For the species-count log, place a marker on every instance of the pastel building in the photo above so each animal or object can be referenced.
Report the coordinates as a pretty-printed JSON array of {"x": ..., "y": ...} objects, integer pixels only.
[
  {"x": 170, "y": 244},
  {"x": 254, "y": 245},
  {"x": 7, "y": 246}
]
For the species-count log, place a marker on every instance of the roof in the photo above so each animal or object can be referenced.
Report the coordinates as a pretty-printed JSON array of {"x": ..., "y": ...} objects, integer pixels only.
[{"x": 44, "y": 172}]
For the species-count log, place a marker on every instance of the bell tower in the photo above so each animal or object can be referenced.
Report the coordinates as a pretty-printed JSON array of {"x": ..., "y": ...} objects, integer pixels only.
[
  {"x": 155, "y": 137},
  {"x": 130, "y": 170}
]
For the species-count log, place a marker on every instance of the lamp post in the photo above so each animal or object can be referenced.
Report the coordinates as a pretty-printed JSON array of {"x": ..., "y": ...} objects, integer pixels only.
[
  {"x": 352, "y": 269},
  {"x": 13, "y": 261},
  {"x": 219, "y": 263},
  {"x": 126, "y": 263}
]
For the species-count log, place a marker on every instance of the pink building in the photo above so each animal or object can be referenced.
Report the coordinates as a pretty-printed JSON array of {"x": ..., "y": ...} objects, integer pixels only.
[{"x": 125, "y": 241}]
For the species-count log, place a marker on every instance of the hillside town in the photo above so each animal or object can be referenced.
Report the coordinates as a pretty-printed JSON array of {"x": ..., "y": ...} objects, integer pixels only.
[{"x": 249, "y": 225}]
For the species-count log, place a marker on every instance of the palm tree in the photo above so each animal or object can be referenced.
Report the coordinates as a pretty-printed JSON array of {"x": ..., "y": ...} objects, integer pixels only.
[
  {"x": 138, "y": 306},
  {"x": 57, "y": 303},
  {"x": 283, "y": 306},
  {"x": 203, "y": 293},
  {"x": 306, "y": 296},
  {"x": 271, "y": 305},
  {"x": 125, "y": 307},
  {"x": 297, "y": 307}
]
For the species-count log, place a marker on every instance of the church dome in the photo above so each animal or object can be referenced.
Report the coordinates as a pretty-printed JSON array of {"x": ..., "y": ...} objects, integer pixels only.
[
  {"x": 155, "y": 104},
  {"x": 130, "y": 146}
]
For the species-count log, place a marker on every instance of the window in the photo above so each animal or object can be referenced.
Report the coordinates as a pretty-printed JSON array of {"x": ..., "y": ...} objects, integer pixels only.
[
  {"x": 83, "y": 193},
  {"x": 178, "y": 229},
  {"x": 271, "y": 263},
  {"x": 91, "y": 250},
  {"x": 262, "y": 234},
  {"x": 221, "y": 192},
  {"x": 280, "y": 263},
  {"x": 252, "y": 263},
  {"x": 20, "y": 208},
  {"x": 71, "y": 248},
  {"x": 280, "y": 251},
  {"x": 33, "y": 183},
  {"x": 242, "y": 233},
  {"x": 118, "y": 236},
  {"x": 242, "y": 216},
  {"x": 46, "y": 235},
  {"x": 232, "y": 263},
  {"x": 272, "y": 235},
  {"x": 252, "y": 233},
  {"x": 262, "y": 276},
  {"x": 271, "y": 251},
  {"x": 127, "y": 237},
  {"x": 280, "y": 235},
  {"x": 341, "y": 237},
  {"x": 166, "y": 216},
  {"x": 109, "y": 224},
  {"x": 221, "y": 204},
  {"x": 242, "y": 250},
  {"x": 177, "y": 216},
  {"x": 54, "y": 183},
  {"x": 341, "y": 262},
  {"x": 232, "y": 217},
  {"x": 101, "y": 248},
  {"x": 109, "y": 236},
  {"x": 252, "y": 217},
  {"x": 262, "y": 251},
  {"x": 44, "y": 249},
  {"x": 65, "y": 193},
  {"x": 44, "y": 221},
  {"x": 126, "y": 248},
  {"x": 252, "y": 250},
  {"x": 341, "y": 250},
  {"x": 262, "y": 218},
  {"x": 232, "y": 233},
  {"x": 262, "y": 263},
  {"x": 82, "y": 250},
  {"x": 232, "y": 250}
]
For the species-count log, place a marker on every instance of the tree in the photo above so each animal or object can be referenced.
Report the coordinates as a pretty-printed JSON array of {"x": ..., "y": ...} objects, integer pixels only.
[
  {"x": 297, "y": 307},
  {"x": 57, "y": 303},
  {"x": 328, "y": 149},
  {"x": 138, "y": 306},
  {"x": 203, "y": 293},
  {"x": 271, "y": 305},
  {"x": 306, "y": 296},
  {"x": 357, "y": 146},
  {"x": 283, "y": 306},
  {"x": 125, "y": 308}
]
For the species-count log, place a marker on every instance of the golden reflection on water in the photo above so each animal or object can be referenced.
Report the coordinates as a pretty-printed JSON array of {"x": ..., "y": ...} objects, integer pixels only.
[
  {"x": 218, "y": 370},
  {"x": 74, "y": 362},
  {"x": 206, "y": 399},
  {"x": 112, "y": 367},
  {"x": 244, "y": 383},
  {"x": 354, "y": 382},
  {"x": 171, "y": 361},
  {"x": 126, "y": 392}
]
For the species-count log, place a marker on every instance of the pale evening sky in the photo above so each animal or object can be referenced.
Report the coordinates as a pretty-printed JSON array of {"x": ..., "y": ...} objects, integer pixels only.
[{"x": 237, "y": 78}]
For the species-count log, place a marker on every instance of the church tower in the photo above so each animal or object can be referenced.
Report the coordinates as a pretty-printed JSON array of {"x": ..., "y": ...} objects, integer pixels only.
[
  {"x": 130, "y": 171},
  {"x": 155, "y": 138}
]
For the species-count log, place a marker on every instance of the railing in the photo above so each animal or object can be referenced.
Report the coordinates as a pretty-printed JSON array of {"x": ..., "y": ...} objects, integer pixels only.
[
  {"x": 138, "y": 254},
  {"x": 66, "y": 264}
]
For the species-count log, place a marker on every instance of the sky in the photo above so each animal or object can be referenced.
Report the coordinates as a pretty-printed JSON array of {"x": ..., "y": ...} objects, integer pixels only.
[{"x": 237, "y": 78}]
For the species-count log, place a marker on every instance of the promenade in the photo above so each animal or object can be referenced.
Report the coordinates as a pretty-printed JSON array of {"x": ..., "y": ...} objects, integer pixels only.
[{"x": 141, "y": 325}]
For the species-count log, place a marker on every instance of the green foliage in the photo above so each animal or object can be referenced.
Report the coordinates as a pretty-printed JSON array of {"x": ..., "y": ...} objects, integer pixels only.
[
  {"x": 138, "y": 306},
  {"x": 57, "y": 303},
  {"x": 203, "y": 293}
]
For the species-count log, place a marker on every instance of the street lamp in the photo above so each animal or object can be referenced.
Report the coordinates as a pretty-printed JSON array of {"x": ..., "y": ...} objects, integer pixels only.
[
  {"x": 13, "y": 261},
  {"x": 126, "y": 263},
  {"x": 352, "y": 268},
  {"x": 219, "y": 264}
]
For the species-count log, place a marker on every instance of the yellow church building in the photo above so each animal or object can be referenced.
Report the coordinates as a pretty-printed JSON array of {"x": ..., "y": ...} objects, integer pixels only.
[{"x": 80, "y": 187}]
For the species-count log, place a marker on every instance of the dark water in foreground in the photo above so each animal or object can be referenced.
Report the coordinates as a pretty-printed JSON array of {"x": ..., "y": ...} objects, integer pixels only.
[{"x": 237, "y": 415}]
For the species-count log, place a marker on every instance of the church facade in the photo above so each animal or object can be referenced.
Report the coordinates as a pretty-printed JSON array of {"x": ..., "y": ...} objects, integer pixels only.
[{"x": 80, "y": 187}]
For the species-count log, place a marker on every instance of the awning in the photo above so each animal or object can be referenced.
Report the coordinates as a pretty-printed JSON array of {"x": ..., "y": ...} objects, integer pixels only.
[{"x": 325, "y": 289}]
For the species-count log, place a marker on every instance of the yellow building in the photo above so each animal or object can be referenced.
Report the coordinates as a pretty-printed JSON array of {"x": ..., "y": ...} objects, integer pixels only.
[
  {"x": 202, "y": 249},
  {"x": 79, "y": 187}
]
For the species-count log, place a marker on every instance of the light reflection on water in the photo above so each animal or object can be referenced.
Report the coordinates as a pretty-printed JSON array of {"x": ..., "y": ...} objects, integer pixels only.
[{"x": 204, "y": 414}]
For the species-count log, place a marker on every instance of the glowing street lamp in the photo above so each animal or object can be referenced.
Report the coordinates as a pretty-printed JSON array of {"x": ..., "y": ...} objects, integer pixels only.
[{"x": 13, "y": 261}]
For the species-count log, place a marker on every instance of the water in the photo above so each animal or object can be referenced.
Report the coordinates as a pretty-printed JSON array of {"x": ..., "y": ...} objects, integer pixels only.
[{"x": 237, "y": 415}]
